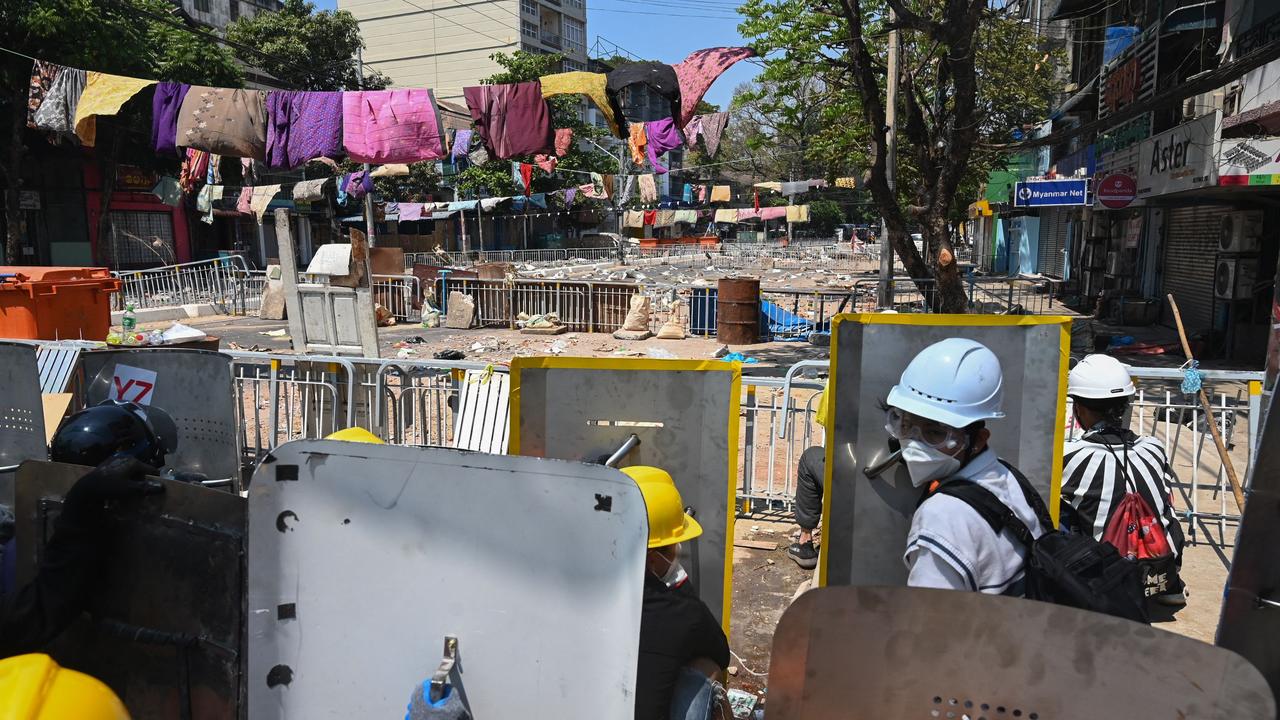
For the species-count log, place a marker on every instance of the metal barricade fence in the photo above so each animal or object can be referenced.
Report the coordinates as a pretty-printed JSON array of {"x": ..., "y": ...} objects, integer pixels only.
[
  {"x": 767, "y": 464},
  {"x": 216, "y": 281}
]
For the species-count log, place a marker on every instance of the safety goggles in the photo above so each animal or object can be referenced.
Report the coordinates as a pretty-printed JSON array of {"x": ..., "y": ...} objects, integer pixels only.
[{"x": 904, "y": 426}]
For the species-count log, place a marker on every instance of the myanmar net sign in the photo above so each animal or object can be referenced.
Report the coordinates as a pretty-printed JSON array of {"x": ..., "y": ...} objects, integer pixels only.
[{"x": 1051, "y": 193}]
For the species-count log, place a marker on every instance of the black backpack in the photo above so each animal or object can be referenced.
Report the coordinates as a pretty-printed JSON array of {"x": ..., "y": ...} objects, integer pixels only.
[{"x": 1065, "y": 567}]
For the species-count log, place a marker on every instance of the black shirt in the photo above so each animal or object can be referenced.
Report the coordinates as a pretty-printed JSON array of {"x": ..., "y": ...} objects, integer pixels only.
[{"x": 675, "y": 628}]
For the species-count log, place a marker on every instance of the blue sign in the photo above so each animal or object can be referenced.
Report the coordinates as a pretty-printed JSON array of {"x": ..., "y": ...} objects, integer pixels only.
[{"x": 1047, "y": 193}]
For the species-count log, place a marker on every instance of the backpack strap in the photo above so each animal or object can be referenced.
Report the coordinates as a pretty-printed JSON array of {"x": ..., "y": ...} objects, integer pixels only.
[
  {"x": 1032, "y": 497},
  {"x": 986, "y": 504}
]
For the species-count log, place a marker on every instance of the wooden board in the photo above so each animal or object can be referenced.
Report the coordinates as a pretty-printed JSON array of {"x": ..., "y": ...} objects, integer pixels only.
[{"x": 55, "y": 408}]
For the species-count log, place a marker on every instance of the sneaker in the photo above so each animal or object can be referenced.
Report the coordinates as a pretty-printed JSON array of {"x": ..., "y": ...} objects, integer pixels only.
[
  {"x": 804, "y": 555},
  {"x": 1177, "y": 598}
]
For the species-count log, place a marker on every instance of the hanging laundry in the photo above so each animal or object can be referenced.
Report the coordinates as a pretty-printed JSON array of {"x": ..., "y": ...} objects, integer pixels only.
[
  {"x": 513, "y": 118},
  {"x": 665, "y": 218},
  {"x": 589, "y": 190},
  {"x": 721, "y": 193},
  {"x": 309, "y": 190},
  {"x": 688, "y": 217},
  {"x": 570, "y": 194},
  {"x": 546, "y": 162},
  {"x": 773, "y": 213},
  {"x": 602, "y": 184},
  {"x": 633, "y": 219},
  {"x": 302, "y": 126},
  {"x": 593, "y": 85},
  {"x": 103, "y": 95},
  {"x": 539, "y": 200},
  {"x": 357, "y": 184},
  {"x": 773, "y": 186},
  {"x": 815, "y": 184},
  {"x": 461, "y": 145},
  {"x": 410, "y": 212},
  {"x": 702, "y": 194},
  {"x": 195, "y": 168},
  {"x": 168, "y": 191},
  {"x": 526, "y": 177},
  {"x": 224, "y": 121},
  {"x": 798, "y": 213},
  {"x": 261, "y": 198},
  {"x": 692, "y": 130},
  {"x": 726, "y": 215},
  {"x": 42, "y": 76},
  {"x": 650, "y": 217},
  {"x": 248, "y": 171},
  {"x": 204, "y": 202},
  {"x": 214, "y": 174},
  {"x": 392, "y": 126},
  {"x": 627, "y": 189},
  {"x": 658, "y": 76},
  {"x": 696, "y": 73},
  {"x": 58, "y": 111},
  {"x": 242, "y": 203},
  {"x": 795, "y": 188},
  {"x": 392, "y": 170},
  {"x": 636, "y": 141},
  {"x": 564, "y": 141},
  {"x": 748, "y": 214},
  {"x": 488, "y": 204},
  {"x": 457, "y": 205},
  {"x": 687, "y": 195},
  {"x": 847, "y": 182},
  {"x": 166, "y": 104},
  {"x": 648, "y": 189},
  {"x": 711, "y": 128},
  {"x": 478, "y": 157},
  {"x": 756, "y": 199},
  {"x": 661, "y": 136}
]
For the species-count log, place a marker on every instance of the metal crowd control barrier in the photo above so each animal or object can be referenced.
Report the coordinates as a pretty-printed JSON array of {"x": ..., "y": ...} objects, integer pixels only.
[
  {"x": 218, "y": 281},
  {"x": 985, "y": 295}
]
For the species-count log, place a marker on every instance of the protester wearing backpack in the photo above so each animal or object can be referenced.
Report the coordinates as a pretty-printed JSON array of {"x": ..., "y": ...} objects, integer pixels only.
[
  {"x": 1119, "y": 482},
  {"x": 938, "y": 412}
]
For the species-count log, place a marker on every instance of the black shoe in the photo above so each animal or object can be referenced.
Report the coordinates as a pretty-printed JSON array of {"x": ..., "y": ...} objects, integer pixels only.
[{"x": 804, "y": 555}]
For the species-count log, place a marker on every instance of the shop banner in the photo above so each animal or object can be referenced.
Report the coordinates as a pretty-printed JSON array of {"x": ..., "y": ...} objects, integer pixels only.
[
  {"x": 1249, "y": 161},
  {"x": 1048, "y": 193},
  {"x": 1179, "y": 159}
]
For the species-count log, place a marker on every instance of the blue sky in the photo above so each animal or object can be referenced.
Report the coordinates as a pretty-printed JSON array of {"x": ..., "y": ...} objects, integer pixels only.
[{"x": 665, "y": 30}]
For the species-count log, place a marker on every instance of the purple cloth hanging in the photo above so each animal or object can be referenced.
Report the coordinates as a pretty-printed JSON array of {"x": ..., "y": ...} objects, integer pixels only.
[
  {"x": 165, "y": 107},
  {"x": 662, "y": 135},
  {"x": 569, "y": 195},
  {"x": 302, "y": 126},
  {"x": 461, "y": 145}
]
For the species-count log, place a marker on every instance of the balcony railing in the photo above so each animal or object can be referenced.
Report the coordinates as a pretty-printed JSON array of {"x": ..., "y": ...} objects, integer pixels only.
[{"x": 551, "y": 40}]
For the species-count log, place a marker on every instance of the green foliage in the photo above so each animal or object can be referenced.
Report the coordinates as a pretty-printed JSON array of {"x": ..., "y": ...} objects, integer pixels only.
[
  {"x": 421, "y": 181},
  {"x": 305, "y": 49},
  {"x": 825, "y": 215}
]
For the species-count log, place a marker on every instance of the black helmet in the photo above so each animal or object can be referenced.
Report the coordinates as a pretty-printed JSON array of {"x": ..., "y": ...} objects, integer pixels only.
[{"x": 113, "y": 428}]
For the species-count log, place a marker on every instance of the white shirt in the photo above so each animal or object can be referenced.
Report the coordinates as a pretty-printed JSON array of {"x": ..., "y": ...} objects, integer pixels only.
[{"x": 951, "y": 546}]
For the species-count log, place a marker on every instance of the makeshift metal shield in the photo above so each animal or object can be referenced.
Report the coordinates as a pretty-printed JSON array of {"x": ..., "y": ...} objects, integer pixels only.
[
  {"x": 166, "y": 618},
  {"x": 684, "y": 415},
  {"x": 866, "y": 514},
  {"x": 193, "y": 386},
  {"x": 21, "y": 413},
  {"x": 1250, "y": 623},
  {"x": 365, "y": 558},
  {"x": 899, "y": 652}
]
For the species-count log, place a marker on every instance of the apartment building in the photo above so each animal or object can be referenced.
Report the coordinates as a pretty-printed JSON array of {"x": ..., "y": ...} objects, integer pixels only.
[
  {"x": 445, "y": 44},
  {"x": 218, "y": 14}
]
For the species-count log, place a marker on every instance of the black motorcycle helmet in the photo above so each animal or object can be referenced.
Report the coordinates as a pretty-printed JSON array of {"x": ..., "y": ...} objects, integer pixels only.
[{"x": 114, "y": 428}]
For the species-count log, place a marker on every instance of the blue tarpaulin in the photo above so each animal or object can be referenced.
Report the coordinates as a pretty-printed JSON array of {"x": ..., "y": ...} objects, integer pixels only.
[{"x": 776, "y": 323}]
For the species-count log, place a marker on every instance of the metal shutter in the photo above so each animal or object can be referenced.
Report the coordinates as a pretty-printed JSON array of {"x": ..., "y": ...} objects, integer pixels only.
[
  {"x": 1053, "y": 240},
  {"x": 1190, "y": 248}
]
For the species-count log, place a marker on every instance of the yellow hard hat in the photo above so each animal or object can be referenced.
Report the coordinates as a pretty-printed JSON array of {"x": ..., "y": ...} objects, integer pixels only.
[
  {"x": 355, "y": 434},
  {"x": 668, "y": 522},
  {"x": 34, "y": 687}
]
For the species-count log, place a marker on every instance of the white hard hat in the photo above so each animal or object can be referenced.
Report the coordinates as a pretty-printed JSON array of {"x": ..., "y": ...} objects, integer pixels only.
[
  {"x": 956, "y": 382},
  {"x": 1100, "y": 376}
]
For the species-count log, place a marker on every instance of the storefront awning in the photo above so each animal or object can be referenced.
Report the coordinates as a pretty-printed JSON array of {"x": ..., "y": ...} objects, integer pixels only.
[{"x": 1193, "y": 18}]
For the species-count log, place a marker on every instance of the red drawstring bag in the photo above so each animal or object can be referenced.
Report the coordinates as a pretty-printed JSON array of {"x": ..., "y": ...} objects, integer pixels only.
[{"x": 1138, "y": 535}]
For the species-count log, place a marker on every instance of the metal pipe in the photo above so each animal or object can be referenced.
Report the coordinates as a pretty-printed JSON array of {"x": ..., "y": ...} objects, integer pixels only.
[{"x": 628, "y": 445}]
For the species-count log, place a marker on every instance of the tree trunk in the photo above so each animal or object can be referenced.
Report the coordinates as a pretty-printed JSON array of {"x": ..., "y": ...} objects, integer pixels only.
[
  {"x": 11, "y": 171},
  {"x": 950, "y": 295}
]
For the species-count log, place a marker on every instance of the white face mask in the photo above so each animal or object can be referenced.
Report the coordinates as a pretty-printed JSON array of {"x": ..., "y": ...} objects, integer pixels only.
[
  {"x": 675, "y": 574},
  {"x": 926, "y": 463}
]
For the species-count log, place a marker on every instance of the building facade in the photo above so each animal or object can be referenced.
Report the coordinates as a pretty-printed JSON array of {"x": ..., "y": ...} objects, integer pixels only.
[{"x": 445, "y": 45}]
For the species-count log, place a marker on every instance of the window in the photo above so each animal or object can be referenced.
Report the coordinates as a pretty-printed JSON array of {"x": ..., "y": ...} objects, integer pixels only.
[
  {"x": 235, "y": 10},
  {"x": 529, "y": 7},
  {"x": 202, "y": 6},
  {"x": 573, "y": 65},
  {"x": 575, "y": 4},
  {"x": 140, "y": 239},
  {"x": 575, "y": 35},
  {"x": 529, "y": 29}
]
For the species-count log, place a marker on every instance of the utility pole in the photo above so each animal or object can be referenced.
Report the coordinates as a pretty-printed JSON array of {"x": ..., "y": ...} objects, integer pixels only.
[
  {"x": 368, "y": 197},
  {"x": 890, "y": 171}
]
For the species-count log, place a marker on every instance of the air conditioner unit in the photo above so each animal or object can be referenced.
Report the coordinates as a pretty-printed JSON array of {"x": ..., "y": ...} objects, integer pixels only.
[
  {"x": 1241, "y": 232},
  {"x": 1234, "y": 278}
]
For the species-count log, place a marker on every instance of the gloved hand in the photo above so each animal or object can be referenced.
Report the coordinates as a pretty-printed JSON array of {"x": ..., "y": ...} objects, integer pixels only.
[{"x": 118, "y": 478}]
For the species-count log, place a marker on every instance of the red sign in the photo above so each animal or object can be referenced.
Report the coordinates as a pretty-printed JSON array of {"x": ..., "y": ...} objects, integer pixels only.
[
  {"x": 1123, "y": 84},
  {"x": 1117, "y": 191}
]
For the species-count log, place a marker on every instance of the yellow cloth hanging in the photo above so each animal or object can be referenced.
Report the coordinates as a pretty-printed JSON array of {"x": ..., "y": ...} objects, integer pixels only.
[
  {"x": 582, "y": 83},
  {"x": 103, "y": 95},
  {"x": 726, "y": 215},
  {"x": 720, "y": 193},
  {"x": 847, "y": 182},
  {"x": 798, "y": 213},
  {"x": 774, "y": 186}
]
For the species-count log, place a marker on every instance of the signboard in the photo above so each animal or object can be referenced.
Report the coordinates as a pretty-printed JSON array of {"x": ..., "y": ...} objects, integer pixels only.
[
  {"x": 1179, "y": 159},
  {"x": 1249, "y": 161},
  {"x": 1123, "y": 84},
  {"x": 129, "y": 177},
  {"x": 1117, "y": 190},
  {"x": 134, "y": 385},
  {"x": 1049, "y": 193}
]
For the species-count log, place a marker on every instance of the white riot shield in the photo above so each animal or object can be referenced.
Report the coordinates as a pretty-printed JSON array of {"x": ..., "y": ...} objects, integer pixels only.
[
  {"x": 1250, "y": 623},
  {"x": 898, "y": 652},
  {"x": 364, "y": 558},
  {"x": 866, "y": 516},
  {"x": 684, "y": 414},
  {"x": 21, "y": 413}
]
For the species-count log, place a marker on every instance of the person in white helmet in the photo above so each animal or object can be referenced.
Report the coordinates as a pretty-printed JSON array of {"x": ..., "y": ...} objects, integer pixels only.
[
  {"x": 1109, "y": 461},
  {"x": 938, "y": 412}
]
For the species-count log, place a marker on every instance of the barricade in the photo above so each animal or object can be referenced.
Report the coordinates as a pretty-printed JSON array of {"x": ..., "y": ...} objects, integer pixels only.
[{"x": 218, "y": 281}]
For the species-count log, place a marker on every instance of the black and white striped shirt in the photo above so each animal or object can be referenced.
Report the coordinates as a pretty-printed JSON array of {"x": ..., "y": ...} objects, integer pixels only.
[{"x": 1094, "y": 484}]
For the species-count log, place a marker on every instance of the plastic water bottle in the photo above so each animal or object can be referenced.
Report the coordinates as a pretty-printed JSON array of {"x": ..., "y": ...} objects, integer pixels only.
[{"x": 130, "y": 321}]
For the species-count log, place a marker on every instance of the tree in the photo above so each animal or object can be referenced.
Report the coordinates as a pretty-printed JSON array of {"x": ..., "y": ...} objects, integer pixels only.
[
  {"x": 140, "y": 38},
  {"x": 969, "y": 76},
  {"x": 305, "y": 49},
  {"x": 825, "y": 215}
]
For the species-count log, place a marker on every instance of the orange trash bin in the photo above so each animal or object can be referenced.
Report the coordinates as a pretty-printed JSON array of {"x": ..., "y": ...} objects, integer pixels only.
[{"x": 55, "y": 303}]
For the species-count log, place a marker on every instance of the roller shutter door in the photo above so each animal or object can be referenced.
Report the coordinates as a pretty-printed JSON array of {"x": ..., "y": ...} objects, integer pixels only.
[
  {"x": 1190, "y": 248},
  {"x": 1053, "y": 240}
]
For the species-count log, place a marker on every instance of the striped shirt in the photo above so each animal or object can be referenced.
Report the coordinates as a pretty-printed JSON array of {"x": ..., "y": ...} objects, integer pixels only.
[{"x": 1094, "y": 483}]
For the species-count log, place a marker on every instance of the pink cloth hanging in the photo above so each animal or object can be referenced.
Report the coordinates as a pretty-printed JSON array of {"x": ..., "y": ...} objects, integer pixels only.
[
  {"x": 699, "y": 70},
  {"x": 391, "y": 126}
]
